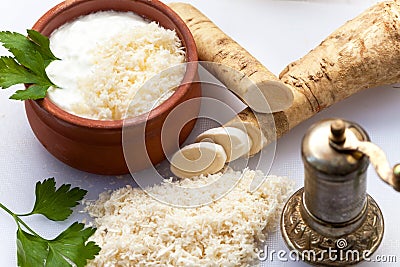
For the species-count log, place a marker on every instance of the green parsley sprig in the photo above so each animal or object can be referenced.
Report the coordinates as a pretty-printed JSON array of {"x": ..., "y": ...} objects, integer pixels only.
[
  {"x": 71, "y": 247},
  {"x": 32, "y": 55}
]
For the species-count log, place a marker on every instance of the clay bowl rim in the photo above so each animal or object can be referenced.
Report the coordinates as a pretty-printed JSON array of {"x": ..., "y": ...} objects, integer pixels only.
[{"x": 185, "y": 85}]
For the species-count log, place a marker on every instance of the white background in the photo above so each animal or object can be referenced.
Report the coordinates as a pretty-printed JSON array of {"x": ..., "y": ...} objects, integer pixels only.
[{"x": 276, "y": 32}]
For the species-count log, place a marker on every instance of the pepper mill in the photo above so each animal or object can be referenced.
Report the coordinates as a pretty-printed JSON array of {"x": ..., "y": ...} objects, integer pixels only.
[{"x": 332, "y": 221}]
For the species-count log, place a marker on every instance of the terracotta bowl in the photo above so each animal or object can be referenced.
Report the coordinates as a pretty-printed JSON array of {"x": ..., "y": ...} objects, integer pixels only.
[{"x": 96, "y": 146}]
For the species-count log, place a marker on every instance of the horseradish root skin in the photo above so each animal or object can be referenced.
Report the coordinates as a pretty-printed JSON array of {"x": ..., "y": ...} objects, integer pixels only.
[
  {"x": 363, "y": 53},
  {"x": 248, "y": 73}
]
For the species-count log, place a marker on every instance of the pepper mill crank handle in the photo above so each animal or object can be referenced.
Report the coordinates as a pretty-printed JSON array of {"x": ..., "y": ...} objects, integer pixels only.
[{"x": 343, "y": 139}]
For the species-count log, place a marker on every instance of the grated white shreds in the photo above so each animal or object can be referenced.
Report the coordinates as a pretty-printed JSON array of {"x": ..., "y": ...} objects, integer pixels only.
[
  {"x": 107, "y": 57},
  {"x": 137, "y": 230},
  {"x": 121, "y": 68}
]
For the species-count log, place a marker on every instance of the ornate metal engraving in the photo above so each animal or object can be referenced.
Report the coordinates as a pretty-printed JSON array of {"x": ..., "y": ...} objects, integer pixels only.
[{"x": 312, "y": 247}]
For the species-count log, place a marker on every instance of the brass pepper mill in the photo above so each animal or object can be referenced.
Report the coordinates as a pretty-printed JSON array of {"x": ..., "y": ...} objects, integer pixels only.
[{"x": 332, "y": 221}]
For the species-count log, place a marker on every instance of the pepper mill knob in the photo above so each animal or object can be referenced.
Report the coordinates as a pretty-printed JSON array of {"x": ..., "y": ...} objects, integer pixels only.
[{"x": 338, "y": 129}]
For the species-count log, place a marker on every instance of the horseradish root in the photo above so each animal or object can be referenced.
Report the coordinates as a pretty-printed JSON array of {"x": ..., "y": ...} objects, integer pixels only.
[
  {"x": 240, "y": 137},
  {"x": 235, "y": 142},
  {"x": 199, "y": 158},
  {"x": 248, "y": 73},
  {"x": 363, "y": 53},
  {"x": 247, "y": 122}
]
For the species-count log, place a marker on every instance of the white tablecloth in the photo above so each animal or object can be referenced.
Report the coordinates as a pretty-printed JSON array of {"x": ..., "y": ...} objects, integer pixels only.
[{"x": 276, "y": 32}]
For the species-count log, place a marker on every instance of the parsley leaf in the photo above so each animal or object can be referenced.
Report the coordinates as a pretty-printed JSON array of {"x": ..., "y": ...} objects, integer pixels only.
[
  {"x": 32, "y": 55},
  {"x": 43, "y": 45},
  {"x": 31, "y": 250},
  {"x": 32, "y": 92},
  {"x": 12, "y": 73},
  {"x": 34, "y": 43},
  {"x": 56, "y": 204},
  {"x": 70, "y": 246}
]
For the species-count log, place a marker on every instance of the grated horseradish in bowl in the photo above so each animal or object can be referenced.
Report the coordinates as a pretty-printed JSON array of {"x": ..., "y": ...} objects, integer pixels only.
[
  {"x": 109, "y": 49},
  {"x": 107, "y": 58}
]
